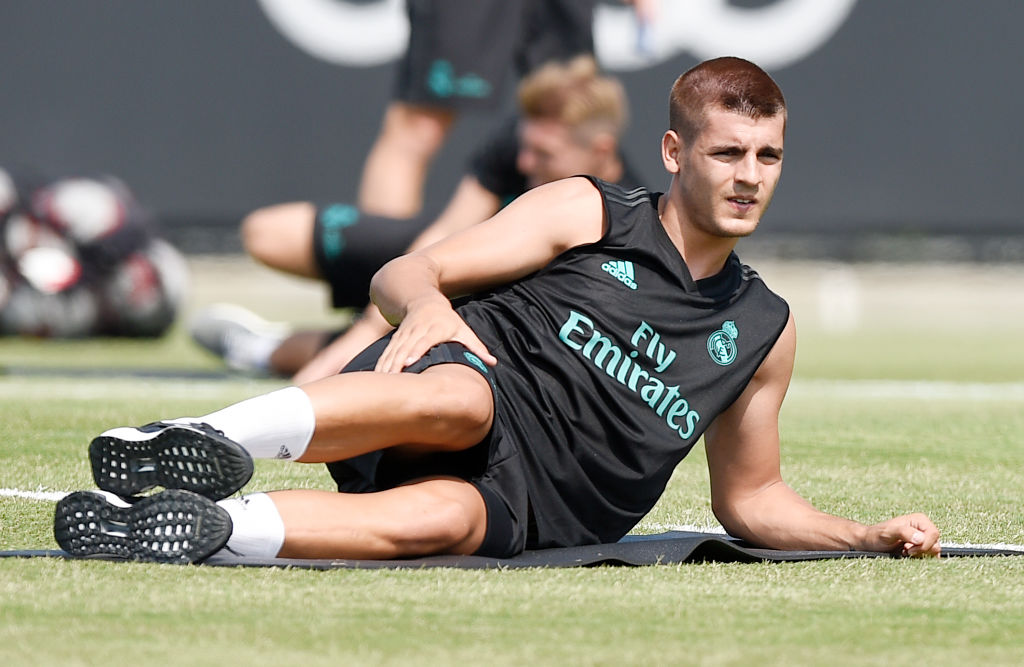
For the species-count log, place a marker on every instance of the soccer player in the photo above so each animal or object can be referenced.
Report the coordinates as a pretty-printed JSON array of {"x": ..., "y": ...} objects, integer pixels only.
[
  {"x": 571, "y": 117},
  {"x": 604, "y": 332}
]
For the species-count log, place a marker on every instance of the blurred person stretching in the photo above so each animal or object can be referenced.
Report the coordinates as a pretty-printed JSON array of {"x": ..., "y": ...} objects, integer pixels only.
[{"x": 570, "y": 120}]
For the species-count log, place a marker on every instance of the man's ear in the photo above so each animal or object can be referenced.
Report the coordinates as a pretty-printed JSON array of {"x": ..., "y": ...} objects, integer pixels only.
[{"x": 671, "y": 152}]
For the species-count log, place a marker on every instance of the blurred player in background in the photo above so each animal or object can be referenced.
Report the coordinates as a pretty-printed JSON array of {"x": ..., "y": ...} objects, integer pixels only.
[
  {"x": 459, "y": 56},
  {"x": 571, "y": 118},
  {"x": 79, "y": 257}
]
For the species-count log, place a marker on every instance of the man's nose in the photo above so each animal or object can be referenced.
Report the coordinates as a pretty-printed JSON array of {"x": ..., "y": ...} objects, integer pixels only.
[{"x": 747, "y": 171}]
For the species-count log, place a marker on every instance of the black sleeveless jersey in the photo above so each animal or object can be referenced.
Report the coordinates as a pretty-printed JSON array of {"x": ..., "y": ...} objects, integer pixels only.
[{"x": 612, "y": 362}]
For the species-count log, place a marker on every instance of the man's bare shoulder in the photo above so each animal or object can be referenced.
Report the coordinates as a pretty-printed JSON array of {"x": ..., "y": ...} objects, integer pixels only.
[
  {"x": 567, "y": 213},
  {"x": 575, "y": 189}
]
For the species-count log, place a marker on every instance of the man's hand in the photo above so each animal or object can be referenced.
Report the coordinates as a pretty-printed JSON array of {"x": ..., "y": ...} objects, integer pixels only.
[
  {"x": 429, "y": 322},
  {"x": 908, "y": 535}
]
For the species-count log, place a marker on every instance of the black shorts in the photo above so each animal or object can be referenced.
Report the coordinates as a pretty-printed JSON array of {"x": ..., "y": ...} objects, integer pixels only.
[
  {"x": 461, "y": 52},
  {"x": 492, "y": 465},
  {"x": 349, "y": 247}
]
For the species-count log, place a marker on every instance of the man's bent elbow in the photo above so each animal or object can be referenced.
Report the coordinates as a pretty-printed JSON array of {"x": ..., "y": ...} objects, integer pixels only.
[{"x": 378, "y": 291}]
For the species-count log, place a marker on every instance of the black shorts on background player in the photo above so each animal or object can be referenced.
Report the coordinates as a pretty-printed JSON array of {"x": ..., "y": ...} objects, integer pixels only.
[
  {"x": 461, "y": 52},
  {"x": 349, "y": 246}
]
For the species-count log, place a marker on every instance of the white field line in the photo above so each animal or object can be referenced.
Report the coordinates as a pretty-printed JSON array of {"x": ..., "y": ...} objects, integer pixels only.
[
  {"x": 53, "y": 496},
  {"x": 93, "y": 389}
]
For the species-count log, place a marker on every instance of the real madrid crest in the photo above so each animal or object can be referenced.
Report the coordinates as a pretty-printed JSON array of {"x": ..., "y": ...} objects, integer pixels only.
[{"x": 722, "y": 344}]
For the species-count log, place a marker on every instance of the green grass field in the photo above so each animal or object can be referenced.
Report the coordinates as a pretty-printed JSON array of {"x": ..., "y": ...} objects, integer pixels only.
[{"x": 909, "y": 395}]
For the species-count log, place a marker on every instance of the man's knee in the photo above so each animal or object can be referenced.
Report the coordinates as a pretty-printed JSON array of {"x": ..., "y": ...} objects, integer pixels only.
[
  {"x": 421, "y": 130},
  {"x": 450, "y": 518},
  {"x": 281, "y": 237},
  {"x": 459, "y": 404}
]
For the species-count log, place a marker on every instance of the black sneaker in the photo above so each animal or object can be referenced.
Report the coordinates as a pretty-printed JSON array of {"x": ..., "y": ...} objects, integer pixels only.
[
  {"x": 169, "y": 527},
  {"x": 194, "y": 457}
]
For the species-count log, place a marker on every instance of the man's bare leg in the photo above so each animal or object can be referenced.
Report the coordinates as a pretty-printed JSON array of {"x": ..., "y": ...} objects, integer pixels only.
[
  {"x": 433, "y": 516},
  {"x": 281, "y": 237},
  {"x": 296, "y": 351},
  {"x": 446, "y": 407},
  {"x": 396, "y": 168},
  {"x": 201, "y": 460}
]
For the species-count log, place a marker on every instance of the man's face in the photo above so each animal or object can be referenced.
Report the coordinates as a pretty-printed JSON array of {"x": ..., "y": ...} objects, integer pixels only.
[
  {"x": 548, "y": 151},
  {"x": 729, "y": 174}
]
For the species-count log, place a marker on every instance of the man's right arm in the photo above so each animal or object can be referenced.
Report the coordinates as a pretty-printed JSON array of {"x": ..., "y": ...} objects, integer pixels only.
[
  {"x": 413, "y": 290},
  {"x": 471, "y": 203}
]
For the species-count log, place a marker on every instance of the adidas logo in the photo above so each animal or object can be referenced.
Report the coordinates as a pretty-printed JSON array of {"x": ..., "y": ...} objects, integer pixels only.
[{"x": 621, "y": 270}]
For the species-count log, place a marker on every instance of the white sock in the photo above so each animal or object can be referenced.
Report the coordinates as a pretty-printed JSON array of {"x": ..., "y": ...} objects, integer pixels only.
[
  {"x": 257, "y": 529},
  {"x": 278, "y": 425}
]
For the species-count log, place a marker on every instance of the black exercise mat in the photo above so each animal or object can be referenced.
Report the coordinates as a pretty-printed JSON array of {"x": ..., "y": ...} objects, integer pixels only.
[{"x": 634, "y": 550}]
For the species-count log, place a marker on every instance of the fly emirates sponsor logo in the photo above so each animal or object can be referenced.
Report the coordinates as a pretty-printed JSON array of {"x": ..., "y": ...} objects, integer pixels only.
[{"x": 578, "y": 333}]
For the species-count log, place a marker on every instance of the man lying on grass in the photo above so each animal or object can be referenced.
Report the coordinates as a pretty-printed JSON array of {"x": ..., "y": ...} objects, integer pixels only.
[{"x": 606, "y": 330}]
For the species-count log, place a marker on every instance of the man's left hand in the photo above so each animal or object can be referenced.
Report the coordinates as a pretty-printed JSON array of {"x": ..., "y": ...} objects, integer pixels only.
[{"x": 909, "y": 535}]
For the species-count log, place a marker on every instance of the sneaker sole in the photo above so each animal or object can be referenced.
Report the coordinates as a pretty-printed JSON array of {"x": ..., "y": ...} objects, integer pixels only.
[
  {"x": 175, "y": 458},
  {"x": 170, "y": 527}
]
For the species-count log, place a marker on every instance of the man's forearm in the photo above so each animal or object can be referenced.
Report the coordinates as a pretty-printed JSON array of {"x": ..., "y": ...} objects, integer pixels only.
[{"x": 779, "y": 518}]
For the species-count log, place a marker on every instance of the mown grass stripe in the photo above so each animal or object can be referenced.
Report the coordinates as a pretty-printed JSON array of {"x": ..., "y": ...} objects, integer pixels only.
[{"x": 77, "y": 388}]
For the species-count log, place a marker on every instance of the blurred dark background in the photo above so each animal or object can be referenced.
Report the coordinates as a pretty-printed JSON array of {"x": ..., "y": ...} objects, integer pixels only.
[{"x": 904, "y": 137}]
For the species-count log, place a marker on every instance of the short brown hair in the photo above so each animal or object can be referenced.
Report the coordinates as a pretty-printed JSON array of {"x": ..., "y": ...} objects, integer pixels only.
[
  {"x": 577, "y": 94},
  {"x": 729, "y": 83}
]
